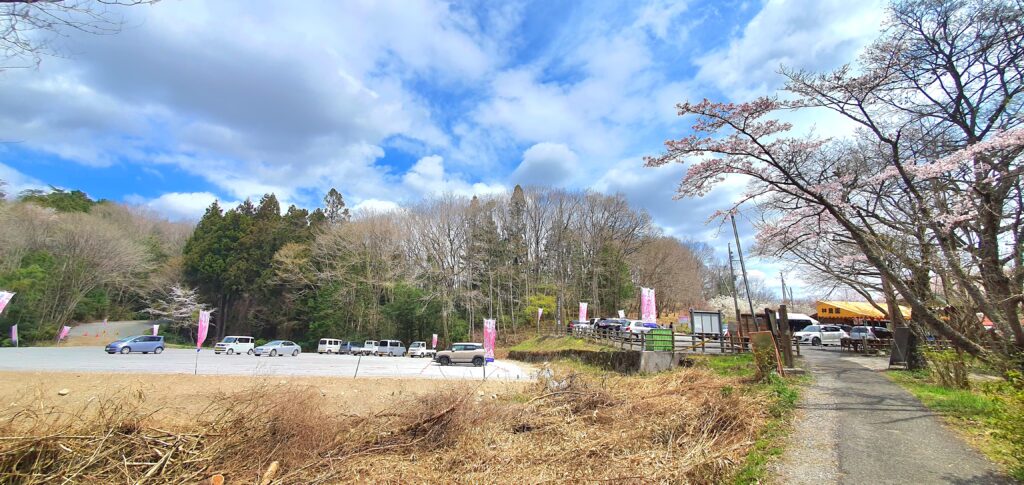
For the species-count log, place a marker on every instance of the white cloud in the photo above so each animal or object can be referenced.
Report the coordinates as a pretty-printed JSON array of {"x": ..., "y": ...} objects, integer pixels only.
[
  {"x": 289, "y": 99},
  {"x": 375, "y": 205},
  {"x": 181, "y": 206},
  {"x": 428, "y": 177},
  {"x": 17, "y": 181},
  {"x": 546, "y": 164},
  {"x": 808, "y": 34}
]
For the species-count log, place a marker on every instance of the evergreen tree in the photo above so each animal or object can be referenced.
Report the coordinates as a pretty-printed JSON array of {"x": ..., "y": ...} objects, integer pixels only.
[{"x": 334, "y": 207}]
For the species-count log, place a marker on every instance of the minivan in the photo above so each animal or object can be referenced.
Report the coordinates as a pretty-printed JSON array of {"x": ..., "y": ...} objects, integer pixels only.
[
  {"x": 235, "y": 345},
  {"x": 329, "y": 346},
  {"x": 390, "y": 347},
  {"x": 141, "y": 343}
]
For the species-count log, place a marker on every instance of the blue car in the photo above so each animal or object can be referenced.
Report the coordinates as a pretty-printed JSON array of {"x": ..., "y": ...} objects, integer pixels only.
[{"x": 140, "y": 343}]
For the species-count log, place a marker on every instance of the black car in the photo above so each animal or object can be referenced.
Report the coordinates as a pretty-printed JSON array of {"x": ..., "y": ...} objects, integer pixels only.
[{"x": 613, "y": 324}]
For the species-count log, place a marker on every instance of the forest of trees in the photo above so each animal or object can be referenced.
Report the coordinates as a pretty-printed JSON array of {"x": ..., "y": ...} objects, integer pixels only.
[{"x": 439, "y": 265}]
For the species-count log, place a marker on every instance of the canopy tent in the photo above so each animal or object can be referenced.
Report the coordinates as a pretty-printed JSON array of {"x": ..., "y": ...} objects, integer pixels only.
[{"x": 853, "y": 310}]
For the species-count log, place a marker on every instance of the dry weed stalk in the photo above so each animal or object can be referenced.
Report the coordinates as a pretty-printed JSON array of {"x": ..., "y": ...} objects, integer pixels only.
[{"x": 676, "y": 427}]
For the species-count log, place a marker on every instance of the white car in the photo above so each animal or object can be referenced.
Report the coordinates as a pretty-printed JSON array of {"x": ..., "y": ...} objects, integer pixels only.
[
  {"x": 235, "y": 345},
  {"x": 278, "y": 347},
  {"x": 636, "y": 326},
  {"x": 420, "y": 349},
  {"x": 821, "y": 335}
]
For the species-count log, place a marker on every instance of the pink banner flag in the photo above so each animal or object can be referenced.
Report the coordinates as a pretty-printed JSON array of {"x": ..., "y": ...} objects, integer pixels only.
[
  {"x": 490, "y": 333},
  {"x": 156, "y": 329},
  {"x": 14, "y": 334},
  {"x": 433, "y": 342},
  {"x": 583, "y": 311},
  {"x": 5, "y": 298},
  {"x": 204, "y": 327},
  {"x": 648, "y": 312},
  {"x": 540, "y": 312},
  {"x": 63, "y": 334}
]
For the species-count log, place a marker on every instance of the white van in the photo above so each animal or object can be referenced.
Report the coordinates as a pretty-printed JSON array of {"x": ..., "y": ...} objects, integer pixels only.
[
  {"x": 329, "y": 346},
  {"x": 393, "y": 348},
  {"x": 235, "y": 345}
]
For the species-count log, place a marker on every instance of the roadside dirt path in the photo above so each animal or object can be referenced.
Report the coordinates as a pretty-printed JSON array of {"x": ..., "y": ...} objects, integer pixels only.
[{"x": 854, "y": 426}]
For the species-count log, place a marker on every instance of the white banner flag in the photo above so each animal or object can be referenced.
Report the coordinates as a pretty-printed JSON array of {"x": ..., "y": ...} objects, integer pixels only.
[
  {"x": 583, "y": 311},
  {"x": 622, "y": 314}
]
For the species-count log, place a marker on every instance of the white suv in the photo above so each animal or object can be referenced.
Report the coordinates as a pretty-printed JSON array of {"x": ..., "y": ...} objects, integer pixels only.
[{"x": 235, "y": 345}]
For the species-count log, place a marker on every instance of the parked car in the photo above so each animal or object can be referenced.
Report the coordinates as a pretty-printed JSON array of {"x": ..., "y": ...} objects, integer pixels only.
[
  {"x": 392, "y": 348},
  {"x": 140, "y": 343},
  {"x": 369, "y": 348},
  {"x": 275, "y": 348},
  {"x": 821, "y": 335},
  {"x": 580, "y": 326},
  {"x": 235, "y": 345},
  {"x": 329, "y": 346},
  {"x": 420, "y": 349},
  {"x": 612, "y": 324},
  {"x": 862, "y": 332},
  {"x": 351, "y": 348},
  {"x": 800, "y": 321},
  {"x": 462, "y": 353},
  {"x": 636, "y": 326}
]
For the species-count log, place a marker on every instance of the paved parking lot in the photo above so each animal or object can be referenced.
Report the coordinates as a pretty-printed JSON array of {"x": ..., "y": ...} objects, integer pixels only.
[{"x": 183, "y": 361}]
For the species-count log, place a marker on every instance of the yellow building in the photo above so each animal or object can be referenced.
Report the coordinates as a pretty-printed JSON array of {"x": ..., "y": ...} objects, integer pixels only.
[{"x": 852, "y": 310}]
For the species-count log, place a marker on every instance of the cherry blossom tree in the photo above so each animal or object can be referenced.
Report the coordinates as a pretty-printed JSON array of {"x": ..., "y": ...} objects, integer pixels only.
[
  {"x": 180, "y": 306},
  {"x": 929, "y": 187}
]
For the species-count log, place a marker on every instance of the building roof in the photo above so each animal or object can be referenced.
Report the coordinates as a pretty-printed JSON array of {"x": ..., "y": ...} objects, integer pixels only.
[{"x": 855, "y": 309}]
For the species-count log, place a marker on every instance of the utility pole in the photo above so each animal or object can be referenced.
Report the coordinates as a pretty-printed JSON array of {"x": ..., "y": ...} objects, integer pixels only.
[
  {"x": 743, "y": 271},
  {"x": 735, "y": 299},
  {"x": 783, "y": 280}
]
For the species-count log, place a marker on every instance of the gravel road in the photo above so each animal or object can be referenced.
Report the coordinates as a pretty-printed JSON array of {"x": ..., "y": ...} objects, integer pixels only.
[{"x": 183, "y": 361}]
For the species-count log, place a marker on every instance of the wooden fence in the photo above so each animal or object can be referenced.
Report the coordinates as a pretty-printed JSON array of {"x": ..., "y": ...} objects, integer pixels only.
[{"x": 667, "y": 340}]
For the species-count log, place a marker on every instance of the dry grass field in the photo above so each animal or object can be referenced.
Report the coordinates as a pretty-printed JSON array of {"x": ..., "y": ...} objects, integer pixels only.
[{"x": 690, "y": 425}]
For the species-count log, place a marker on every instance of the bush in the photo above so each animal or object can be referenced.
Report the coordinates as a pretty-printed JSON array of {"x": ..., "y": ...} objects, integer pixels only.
[{"x": 949, "y": 368}]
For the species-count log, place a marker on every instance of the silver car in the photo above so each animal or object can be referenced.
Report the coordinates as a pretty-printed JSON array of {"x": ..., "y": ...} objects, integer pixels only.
[{"x": 278, "y": 347}]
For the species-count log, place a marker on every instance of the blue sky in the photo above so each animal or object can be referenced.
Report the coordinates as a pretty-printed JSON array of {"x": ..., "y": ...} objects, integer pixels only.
[{"x": 393, "y": 101}]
